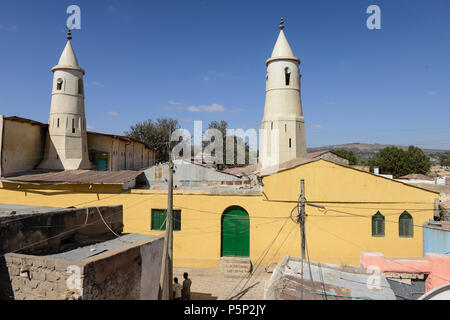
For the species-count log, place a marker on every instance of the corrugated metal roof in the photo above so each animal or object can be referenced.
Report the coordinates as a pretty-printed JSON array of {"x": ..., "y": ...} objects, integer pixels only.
[
  {"x": 329, "y": 282},
  {"x": 76, "y": 177},
  {"x": 313, "y": 155},
  {"x": 251, "y": 168},
  {"x": 19, "y": 119},
  {"x": 286, "y": 165}
]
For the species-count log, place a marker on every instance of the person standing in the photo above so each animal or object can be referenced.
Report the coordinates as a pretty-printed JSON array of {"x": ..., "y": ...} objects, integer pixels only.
[
  {"x": 186, "y": 292},
  {"x": 177, "y": 288}
]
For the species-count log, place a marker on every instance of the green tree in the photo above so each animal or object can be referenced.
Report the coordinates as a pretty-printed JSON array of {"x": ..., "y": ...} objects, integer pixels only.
[
  {"x": 399, "y": 162},
  {"x": 222, "y": 126},
  {"x": 156, "y": 134},
  {"x": 418, "y": 161},
  {"x": 444, "y": 159},
  {"x": 346, "y": 154}
]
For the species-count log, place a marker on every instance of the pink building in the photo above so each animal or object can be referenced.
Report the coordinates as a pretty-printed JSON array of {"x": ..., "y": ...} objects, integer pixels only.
[{"x": 434, "y": 267}]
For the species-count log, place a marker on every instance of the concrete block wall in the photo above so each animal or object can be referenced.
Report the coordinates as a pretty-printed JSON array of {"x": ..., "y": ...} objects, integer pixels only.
[
  {"x": 35, "y": 278},
  {"x": 127, "y": 273}
]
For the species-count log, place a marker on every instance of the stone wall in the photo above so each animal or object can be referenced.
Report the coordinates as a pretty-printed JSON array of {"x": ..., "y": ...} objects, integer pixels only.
[
  {"x": 116, "y": 274},
  {"x": 34, "y": 278}
]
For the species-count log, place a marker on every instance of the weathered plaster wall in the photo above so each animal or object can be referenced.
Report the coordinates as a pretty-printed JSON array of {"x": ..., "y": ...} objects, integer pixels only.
[
  {"x": 130, "y": 273},
  {"x": 22, "y": 146},
  {"x": 57, "y": 229}
]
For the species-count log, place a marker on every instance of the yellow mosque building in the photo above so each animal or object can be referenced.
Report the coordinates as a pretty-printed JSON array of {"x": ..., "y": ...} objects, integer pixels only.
[{"x": 250, "y": 214}]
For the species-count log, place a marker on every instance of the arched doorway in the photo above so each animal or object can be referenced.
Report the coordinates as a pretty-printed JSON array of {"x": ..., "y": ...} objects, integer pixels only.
[{"x": 235, "y": 232}]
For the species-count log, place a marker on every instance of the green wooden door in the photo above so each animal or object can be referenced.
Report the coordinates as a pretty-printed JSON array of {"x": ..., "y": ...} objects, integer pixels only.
[
  {"x": 235, "y": 233},
  {"x": 102, "y": 164}
]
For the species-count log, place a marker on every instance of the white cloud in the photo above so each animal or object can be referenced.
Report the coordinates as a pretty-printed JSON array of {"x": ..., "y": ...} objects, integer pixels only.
[
  {"x": 205, "y": 78},
  {"x": 211, "y": 108},
  {"x": 112, "y": 114},
  {"x": 431, "y": 92}
]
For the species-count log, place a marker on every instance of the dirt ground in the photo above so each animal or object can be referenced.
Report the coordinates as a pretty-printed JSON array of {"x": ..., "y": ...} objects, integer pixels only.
[{"x": 210, "y": 284}]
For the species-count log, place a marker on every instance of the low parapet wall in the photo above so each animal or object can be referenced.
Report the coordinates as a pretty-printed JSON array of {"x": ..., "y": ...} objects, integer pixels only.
[{"x": 58, "y": 229}]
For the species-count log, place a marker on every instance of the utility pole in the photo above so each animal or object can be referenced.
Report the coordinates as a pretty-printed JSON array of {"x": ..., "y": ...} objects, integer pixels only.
[
  {"x": 167, "y": 258},
  {"x": 302, "y": 215},
  {"x": 301, "y": 221}
]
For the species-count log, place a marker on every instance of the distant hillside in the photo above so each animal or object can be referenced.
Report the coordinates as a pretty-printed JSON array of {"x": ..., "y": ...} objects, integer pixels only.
[{"x": 366, "y": 151}]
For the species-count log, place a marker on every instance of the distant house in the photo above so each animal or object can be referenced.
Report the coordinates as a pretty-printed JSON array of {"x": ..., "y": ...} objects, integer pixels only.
[
  {"x": 327, "y": 155},
  {"x": 416, "y": 178}
]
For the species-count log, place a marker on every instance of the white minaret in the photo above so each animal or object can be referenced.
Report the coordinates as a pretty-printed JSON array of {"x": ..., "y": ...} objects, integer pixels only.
[
  {"x": 66, "y": 145},
  {"x": 283, "y": 125}
]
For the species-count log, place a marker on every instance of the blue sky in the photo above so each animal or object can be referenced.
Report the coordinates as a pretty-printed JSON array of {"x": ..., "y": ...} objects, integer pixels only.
[{"x": 205, "y": 60}]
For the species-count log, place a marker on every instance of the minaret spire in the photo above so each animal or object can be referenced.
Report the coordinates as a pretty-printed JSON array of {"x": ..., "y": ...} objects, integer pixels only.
[
  {"x": 281, "y": 24},
  {"x": 69, "y": 34}
]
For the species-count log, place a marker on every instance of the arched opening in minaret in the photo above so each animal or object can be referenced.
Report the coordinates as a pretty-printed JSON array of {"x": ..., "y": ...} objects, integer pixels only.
[
  {"x": 73, "y": 125},
  {"x": 59, "y": 83},
  {"x": 80, "y": 86},
  {"x": 287, "y": 75}
]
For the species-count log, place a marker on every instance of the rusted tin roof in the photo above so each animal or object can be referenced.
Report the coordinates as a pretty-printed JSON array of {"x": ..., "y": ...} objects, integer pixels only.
[
  {"x": 313, "y": 155},
  {"x": 19, "y": 119},
  {"x": 242, "y": 171},
  {"x": 76, "y": 177}
]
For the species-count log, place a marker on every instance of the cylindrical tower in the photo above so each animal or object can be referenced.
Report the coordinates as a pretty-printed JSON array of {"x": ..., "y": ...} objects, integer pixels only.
[
  {"x": 66, "y": 146},
  {"x": 283, "y": 125}
]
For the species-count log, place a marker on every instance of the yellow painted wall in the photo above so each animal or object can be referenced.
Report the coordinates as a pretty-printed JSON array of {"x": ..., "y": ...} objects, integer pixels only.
[{"x": 333, "y": 237}]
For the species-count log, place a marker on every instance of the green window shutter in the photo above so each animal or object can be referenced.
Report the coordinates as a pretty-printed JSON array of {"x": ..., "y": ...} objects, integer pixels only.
[
  {"x": 405, "y": 225},
  {"x": 177, "y": 220},
  {"x": 378, "y": 223},
  {"x": 159, "y": 219}
]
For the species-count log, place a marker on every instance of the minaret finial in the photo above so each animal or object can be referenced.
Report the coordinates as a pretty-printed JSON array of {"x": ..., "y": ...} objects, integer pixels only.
[
  {"x": 281, "y": 24},
  {"x": 69, "y": 34}
]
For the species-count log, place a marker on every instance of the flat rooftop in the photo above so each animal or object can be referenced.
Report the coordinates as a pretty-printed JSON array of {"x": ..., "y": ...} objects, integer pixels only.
[
  {"x": 88, "y": 251},
  {"x": 21, "y": 209}
]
